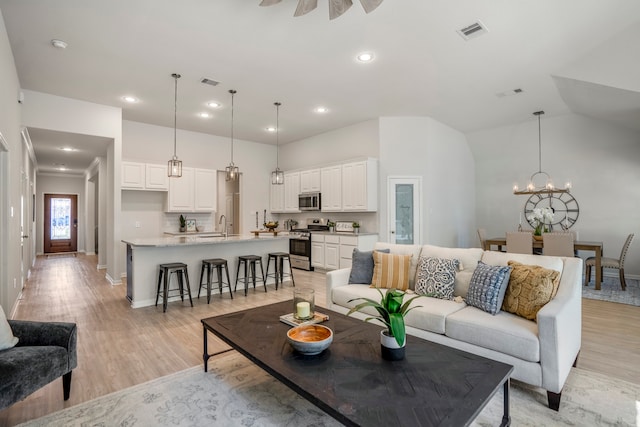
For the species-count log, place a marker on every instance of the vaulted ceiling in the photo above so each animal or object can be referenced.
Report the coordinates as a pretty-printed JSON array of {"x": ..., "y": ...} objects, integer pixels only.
[{"x": 570, "y": 55}]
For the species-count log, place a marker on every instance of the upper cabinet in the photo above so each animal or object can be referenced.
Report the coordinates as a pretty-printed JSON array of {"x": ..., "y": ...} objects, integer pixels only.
[
  {"x": 310, "y": 181},
  {"x": 291, "y": 191},
  {"x": 360, "y": 186},
  {"x": 331, "y": 188},
  {"x": 144, "y": 176},
  {"x": 277, "y": 198},
  {"x": 194, "y": 191}
]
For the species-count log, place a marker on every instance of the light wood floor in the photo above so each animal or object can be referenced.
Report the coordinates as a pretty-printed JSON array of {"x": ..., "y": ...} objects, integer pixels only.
[{"x": 119, "y": 346}]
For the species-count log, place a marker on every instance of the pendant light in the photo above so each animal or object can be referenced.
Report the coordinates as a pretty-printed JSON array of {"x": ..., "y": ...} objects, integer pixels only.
[
  {"x": 175, "y": 165},
  {"x": 544, "y": 188},
  {"x": 277, "y": 176},
  {"x": 231, "y": 171}
]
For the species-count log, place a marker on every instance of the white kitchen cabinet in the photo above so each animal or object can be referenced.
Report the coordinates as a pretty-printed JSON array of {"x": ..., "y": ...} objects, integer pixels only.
[
  {"x": 360, "y": 186},
  {"x": 310, "y": 181},
  {"x": 205, "y": 190},
  {"x": 277, "y": 198},
  {"x": 132, "y": 175},
  {"x": 325, "y": 251},
  {"x": 144, "y": 176},
  {"x": 331, "y": 188},
  {"x": 194, "y": 191},
  {"x": 291, "y": 191},
  {"x": 349, "y": 243},
  {"x": 317, "y": 250},
  {"x": 156, "y": 177}
]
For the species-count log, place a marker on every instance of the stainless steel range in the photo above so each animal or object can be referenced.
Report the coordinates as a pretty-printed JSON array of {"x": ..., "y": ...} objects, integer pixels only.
[{"x": 300, "y": 243}]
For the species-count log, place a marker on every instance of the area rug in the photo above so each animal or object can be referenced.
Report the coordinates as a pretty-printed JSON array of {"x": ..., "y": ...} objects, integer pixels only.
[
  {"x": 235, "y": 392},
  {"x": 611, "y": 291}
]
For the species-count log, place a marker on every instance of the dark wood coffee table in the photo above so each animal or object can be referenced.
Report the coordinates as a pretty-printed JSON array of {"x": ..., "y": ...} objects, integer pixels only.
[{"x": 434, "y": 385}]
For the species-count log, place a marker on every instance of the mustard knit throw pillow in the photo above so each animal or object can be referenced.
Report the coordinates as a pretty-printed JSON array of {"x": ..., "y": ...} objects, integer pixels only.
[{"x": 530, "y": 288}]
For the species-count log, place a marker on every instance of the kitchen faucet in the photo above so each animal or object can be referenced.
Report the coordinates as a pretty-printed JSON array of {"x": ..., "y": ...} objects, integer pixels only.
[{"x": 225, "y": 224}]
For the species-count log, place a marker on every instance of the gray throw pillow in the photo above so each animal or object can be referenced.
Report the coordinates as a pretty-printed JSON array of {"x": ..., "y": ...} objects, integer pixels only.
[
  {"x": 436, "y": 277},
  {"x": 362, "y": 266},
  {"x": 488, "y": 286},
  {"x": 7, "y": 340}
]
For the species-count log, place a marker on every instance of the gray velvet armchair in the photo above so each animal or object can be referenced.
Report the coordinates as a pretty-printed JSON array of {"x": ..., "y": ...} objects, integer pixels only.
[{"x": 45, "y": 351}]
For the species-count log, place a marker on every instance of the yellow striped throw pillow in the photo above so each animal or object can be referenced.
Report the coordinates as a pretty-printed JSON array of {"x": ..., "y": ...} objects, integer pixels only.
[{"x": 390, "y": 271}]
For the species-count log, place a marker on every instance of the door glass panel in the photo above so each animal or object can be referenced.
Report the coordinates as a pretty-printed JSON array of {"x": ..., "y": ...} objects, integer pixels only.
[
  {"x": 404, "y": 214},
  {"x": 60, "y": 214}
]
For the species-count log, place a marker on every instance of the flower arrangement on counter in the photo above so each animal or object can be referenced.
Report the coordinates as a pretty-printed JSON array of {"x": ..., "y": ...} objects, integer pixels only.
[{"x": 541, "y": 216}]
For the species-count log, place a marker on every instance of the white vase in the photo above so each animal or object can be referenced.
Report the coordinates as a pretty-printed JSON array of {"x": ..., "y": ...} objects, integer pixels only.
[{"x": 389, "y": 347}]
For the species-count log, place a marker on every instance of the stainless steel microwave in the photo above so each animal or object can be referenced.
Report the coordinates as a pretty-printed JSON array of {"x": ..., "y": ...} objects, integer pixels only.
[{"x": 309, "y": 201}]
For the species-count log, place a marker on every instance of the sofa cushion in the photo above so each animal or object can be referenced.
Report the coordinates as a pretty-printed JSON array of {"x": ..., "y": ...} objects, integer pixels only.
[
  {"x": 413, "y": 250},
  {"x": 530, "y": 288},
  {"x": 7, "y": 340},
  {"x": 488, "y": 286},
  {"x": 431, "y": 314},
  {"x": 503, "y": 258},
  {"x": 504, "y": 332},
  {"x": 436, "y": 277},
  {"x": 362, "y": 266},
  {"x": 390, "y": 271},
  {"x": 468, "y": 258}
]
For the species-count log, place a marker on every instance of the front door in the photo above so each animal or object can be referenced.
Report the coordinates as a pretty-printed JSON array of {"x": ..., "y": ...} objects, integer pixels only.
[{"x": 60, "y": 223}]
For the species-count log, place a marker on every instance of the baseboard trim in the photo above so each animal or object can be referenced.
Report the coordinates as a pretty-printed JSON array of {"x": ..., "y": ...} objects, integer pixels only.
[{"x": 111, "y": 280}]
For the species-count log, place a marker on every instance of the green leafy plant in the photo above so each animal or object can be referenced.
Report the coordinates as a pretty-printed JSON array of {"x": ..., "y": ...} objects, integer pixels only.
[
  {"x": 183, "y": 221},
  {"x": 391, "y": 311},
  {"x": 331, "y": 224},
  {"x": 356, "y": 225}
]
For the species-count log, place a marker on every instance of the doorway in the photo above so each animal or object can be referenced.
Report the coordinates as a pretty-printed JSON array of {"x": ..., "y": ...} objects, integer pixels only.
[
  {"x": 405, "y": 216},
  {"x": 60, "y": 223}
]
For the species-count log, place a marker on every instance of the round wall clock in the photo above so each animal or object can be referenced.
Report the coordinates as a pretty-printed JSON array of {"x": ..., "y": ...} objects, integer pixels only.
[{"x": 564, "y": 206}]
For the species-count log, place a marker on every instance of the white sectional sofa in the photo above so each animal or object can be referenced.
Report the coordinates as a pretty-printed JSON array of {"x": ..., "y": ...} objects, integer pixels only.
[{"x": 542, "y": 352}]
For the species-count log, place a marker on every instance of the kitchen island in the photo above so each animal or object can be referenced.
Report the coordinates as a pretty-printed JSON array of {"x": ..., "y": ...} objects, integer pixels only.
[{"x": 145, "y": 254}]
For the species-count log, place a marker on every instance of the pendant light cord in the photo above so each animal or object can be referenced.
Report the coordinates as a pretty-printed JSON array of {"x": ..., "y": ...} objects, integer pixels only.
[
  {"x": 175, "y": 114},
  {"x": 277, "y": 104},
  {"x": 232, "y": 92},
  {"x": 539, "y": 146}
]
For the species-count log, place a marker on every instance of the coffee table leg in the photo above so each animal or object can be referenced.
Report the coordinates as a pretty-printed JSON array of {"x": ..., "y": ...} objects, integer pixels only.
[
  {"x": 205, "y": 354},
  {"x": 506, "y": 417}
]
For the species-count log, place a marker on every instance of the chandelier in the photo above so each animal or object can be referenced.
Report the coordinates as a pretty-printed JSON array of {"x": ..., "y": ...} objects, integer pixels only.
[
  {"x": 541, "y": 182},
  {"x": 277, "y": 176},
  {"x": 336, "y": 7},
  {"x": 231, "y": 171},
  {"x": 175, "y": 165}
]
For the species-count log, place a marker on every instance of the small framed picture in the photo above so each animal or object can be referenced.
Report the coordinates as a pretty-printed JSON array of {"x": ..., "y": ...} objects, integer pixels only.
[{"x": 191, "y": 225}]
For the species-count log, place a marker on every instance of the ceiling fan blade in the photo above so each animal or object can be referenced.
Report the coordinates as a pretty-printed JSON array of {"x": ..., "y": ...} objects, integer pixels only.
[
  {"x": 338, "y": 7},
  {"x": 269, "y": 2},
  {"x": 305, "y": 6},
  {"x": 370, "y": 5}
]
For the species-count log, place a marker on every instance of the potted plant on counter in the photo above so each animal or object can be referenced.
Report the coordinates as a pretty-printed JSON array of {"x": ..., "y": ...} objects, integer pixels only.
[
  {"x": 356, "y": 227},
  {"x": 391, "y": 310},
  {"x": 332, "y": 226},
  {"x": 183, "y": 224}
]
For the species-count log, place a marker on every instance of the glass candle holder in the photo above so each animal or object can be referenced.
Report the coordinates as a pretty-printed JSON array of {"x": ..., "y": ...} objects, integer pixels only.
[{"x": 303, "y": 304}]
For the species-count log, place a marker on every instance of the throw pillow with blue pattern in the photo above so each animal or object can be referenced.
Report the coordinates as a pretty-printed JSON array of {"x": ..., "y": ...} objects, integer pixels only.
[
  {"x": 436, "y": 277},
  {"x": 488, "y": 286}
]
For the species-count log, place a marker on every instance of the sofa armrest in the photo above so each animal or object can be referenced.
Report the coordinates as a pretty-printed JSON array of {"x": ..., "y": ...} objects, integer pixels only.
[
  {"x": 334, "y": 279},
  {"x": 35, "y": 334},
  {"x": 560, "y": 327}
]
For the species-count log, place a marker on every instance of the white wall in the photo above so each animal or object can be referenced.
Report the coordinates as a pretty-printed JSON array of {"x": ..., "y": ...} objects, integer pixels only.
[
  {"x": 57, "y": 184},
  {"x": 601, "y": 160},
  {"x": 422, "y": 146}
]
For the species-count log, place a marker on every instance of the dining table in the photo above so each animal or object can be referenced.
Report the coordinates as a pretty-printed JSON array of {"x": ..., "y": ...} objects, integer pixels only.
[{"x": 497, "y": 243}]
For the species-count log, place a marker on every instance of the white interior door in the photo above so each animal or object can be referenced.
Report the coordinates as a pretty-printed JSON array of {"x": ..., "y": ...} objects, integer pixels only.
[{"x": 404, "y": 210}]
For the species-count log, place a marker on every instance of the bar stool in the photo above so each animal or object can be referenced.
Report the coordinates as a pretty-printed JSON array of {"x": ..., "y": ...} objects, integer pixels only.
[
  {"x": 218, "y": 264},
  {"x": 279, "y": 273},
  {"x": 166, "y": 270},
  {"x": 249, "y": 262}
]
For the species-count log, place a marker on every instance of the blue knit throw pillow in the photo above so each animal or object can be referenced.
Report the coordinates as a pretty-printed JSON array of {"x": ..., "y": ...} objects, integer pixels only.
[{"x": 488, "y": 286}]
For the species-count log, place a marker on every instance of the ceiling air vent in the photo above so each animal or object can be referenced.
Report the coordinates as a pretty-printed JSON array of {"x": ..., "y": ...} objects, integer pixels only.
[
  {"x": 209, "y": 82},
  {"x": 472, "y": 31},
  {"x": 509, "y": 93}
]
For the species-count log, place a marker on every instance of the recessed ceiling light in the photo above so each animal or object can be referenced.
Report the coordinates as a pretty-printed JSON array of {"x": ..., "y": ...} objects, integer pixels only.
[
  {"x": 365, "y": 57},
  {"x": 67, "y": 149},
  {"x": 59, "y": 44},
  {"x": 130, "y": 99},
  {"x": 321, "y": 110},
  {"x": 214, "y": 104},
  {"x": 204, "y": 115},
  {"x": 271, "y": 129},
  {"x": 62, "y": 169}
]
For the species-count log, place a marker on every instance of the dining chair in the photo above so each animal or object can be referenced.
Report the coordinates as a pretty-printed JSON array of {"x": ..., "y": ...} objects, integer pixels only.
[
  {"x": 520, "y": 242},
  {"x": 610, "y": 263},
  {"x": 482, "y": 235},
  {"x": 557, "y": 244}
]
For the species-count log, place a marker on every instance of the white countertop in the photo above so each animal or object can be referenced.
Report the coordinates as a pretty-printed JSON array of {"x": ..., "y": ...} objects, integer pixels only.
[
  {"x": 192, "y": 240},
  {"x": 343, "y": 233}
]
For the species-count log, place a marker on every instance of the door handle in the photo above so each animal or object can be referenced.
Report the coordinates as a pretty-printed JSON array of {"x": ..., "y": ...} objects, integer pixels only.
[
  {"x": 25, "y": 237},
  {"x": 393, "y": 232}
]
